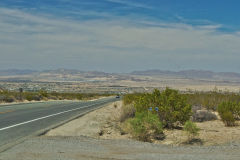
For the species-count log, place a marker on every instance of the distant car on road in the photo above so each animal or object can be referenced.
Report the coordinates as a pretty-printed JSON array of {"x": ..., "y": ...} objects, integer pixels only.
[{"x": 117, "y": 96}]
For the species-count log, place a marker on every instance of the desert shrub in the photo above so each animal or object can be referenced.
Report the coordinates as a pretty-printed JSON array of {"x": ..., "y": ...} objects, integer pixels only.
[
  {"x": 191, "y": 129},
  {"x": 79, "y": 96},
  {"x": 173, "y": 107},
  {"x": 127, "y": 111},
  {"x": 145, "y": 126},
  {"x": 211, "y": 100},
  {"x": 37, "y": 97},
  {"x": 8, "y": 99},
  {"x": 29, "y": 97},
  {"x": 228, "y": 119},
  {"x": 7, "y": 96},
  {"x": 130, "y": 98},
  {"x": 229, "y": 112},
  {"x": 203, "y": 115},
  {"x": 43, "y": 93}
]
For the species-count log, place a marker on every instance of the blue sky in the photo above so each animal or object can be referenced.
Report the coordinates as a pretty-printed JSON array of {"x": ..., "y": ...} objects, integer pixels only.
[{"x": 120, "y": 35}]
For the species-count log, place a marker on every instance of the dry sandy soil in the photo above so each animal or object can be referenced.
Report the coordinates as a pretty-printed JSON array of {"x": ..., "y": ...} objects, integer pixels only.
[
  {"x": 211, "y": 133},
  {"x": 103, "y": 123}
]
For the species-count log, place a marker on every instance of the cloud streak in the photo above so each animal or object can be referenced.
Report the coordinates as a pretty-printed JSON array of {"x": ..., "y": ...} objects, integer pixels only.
[{"x": 131, "y": 4}]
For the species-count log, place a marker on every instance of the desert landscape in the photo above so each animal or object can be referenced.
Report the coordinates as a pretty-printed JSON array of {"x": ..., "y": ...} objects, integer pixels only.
[
  {"x": 65, "y": 80},
  {"x": 119, "y": 80}
]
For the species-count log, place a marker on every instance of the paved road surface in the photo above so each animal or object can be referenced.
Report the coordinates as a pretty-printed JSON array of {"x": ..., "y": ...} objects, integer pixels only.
[{"x": 19, "y": 121}]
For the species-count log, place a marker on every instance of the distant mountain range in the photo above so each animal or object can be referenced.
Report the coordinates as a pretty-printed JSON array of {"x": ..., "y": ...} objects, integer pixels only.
[
  {"x": 14, "y": 72},
  {"x": 189, "y": 74}
]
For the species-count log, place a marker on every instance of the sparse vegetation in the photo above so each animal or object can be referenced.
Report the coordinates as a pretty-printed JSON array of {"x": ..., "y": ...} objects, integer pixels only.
[
  {"x": 172, "y": 106},
  {"x": 175, "y": 110},
  {"x": 145, "y": 126},
  {"x": 9, "y": 97},
  {"x": 131, "y": 98},
  {"x": 127, "y": 111},
  {"x": 168, "y": 109},
  {"x": 229, "y": 112},
  {"x": 211, "y": 100},
  {"x": 191, "y": 129}
]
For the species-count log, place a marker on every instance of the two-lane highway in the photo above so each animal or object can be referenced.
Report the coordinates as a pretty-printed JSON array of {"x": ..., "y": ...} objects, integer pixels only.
[{"x": 19, "y": 121}]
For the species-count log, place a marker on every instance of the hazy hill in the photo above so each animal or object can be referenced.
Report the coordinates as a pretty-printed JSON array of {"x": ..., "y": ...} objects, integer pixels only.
[
  {"x": 73, "y": 74},
  {"x": 13, "y": 72},
  {"x": 192, "y": 74}
]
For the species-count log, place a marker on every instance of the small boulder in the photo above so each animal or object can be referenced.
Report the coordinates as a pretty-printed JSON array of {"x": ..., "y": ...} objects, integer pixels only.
[{"x": 203, "y": 115}]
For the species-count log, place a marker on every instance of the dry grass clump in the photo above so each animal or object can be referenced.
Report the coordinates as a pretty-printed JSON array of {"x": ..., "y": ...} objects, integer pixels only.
[
  {"x": 127, "y": 111},
  {"x": 211, "y": 100},
  {"x": 115, "y": 105}
]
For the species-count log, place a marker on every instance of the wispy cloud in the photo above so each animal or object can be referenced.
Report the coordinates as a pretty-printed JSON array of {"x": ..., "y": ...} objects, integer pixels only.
[
  {"x": 131, "y": 4},
  {"x": 29, "y": 40}
]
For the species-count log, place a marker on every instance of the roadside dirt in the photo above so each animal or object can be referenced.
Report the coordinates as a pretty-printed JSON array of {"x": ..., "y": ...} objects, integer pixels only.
[
  {"x": 102, "y": 123},
  {"x": 211, "y": 133}
]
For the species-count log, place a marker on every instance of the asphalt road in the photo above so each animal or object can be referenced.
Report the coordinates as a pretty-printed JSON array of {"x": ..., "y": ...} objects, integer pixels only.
[{"x": 23, "y": 120}]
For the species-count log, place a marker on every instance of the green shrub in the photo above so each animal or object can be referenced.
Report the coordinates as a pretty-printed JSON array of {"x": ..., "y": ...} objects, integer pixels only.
[
  {"x": 228, "y": 119},
  {"x": 43, "y": 93},
  {"x": 130, "y": 98},
  {"x": 173, "y": 106},
  {"x": 145, "y": 126},
  {"x": 29, "y": 97},
  {"x": 191, "y": 129},
  {"x": 229, "y": 112},
  {"x": 9, "y": 99}
]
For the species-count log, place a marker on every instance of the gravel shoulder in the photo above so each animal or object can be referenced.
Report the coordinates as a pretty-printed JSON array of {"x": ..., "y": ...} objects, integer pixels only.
[{"x": 86, "y": 148}]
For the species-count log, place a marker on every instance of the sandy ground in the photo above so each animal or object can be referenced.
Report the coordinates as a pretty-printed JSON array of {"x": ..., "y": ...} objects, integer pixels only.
[
  {"x": 103, "y": 123},
  {"x": 211, "y": 133}
]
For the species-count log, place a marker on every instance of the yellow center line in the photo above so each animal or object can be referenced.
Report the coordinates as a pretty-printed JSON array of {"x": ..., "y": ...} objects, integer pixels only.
[{"x": 6, "y": 112}]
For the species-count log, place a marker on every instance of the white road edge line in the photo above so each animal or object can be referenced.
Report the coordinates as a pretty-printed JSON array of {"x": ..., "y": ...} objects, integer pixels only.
[{"x": 52, "y": 115}]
